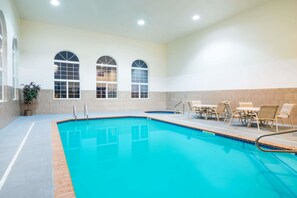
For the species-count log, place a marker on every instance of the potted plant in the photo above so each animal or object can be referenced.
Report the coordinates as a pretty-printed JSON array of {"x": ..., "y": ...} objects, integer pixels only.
[{"x": 30, "y": 93}]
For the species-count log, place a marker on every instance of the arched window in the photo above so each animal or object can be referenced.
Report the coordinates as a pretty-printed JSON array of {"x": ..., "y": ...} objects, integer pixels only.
[
  {"x": 66, "y": 68},
  {"x": 15, "y": 68},
  {"x": 139, "y": 84},
  {"x": 106, "y": 77},
  {"x": 3, "y": 54}
]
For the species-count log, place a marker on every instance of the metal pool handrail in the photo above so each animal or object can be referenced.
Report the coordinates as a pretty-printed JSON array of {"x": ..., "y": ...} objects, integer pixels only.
[
  {"x": 86, "y": 115},
  {"x": 180, "y": 102},
  {"x": 276, "y": 151},
  {"x": 74, "y": 112}
]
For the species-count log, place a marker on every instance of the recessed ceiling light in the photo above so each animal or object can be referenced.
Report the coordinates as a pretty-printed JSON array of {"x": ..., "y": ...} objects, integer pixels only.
[
  {"x": 196, "y": 17},
  {"x": 141, "y": 22},
  {"x": 55, "y": 2}
]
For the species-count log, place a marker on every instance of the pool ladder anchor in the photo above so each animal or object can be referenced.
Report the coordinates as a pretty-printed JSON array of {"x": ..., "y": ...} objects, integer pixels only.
[{"x": 257, "y": 143}]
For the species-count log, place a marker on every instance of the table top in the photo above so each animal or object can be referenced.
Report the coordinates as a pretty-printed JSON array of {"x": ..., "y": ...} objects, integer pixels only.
[{"x": 248, "y": 108}]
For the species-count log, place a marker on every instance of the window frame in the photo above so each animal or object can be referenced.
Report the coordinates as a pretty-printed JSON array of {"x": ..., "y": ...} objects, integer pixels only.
[
  {"x": 3, "y": 57},
  {"x": 15, "y": 68},
  {"x": 139, "y": 84},
  {"x": 107, "y": 82},
  {"x": 66, "y": 80}
]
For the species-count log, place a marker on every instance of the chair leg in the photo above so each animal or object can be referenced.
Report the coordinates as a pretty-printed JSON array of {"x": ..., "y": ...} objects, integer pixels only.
[
  {"x": 225, "y": 118},
  {"x": 258, "y": 124},
  {"x": 291, "y": 121},
  {"x": 230, "y": 120},
  {"x": 282, "y": 121},
  {"x": 276, "y": 124}
]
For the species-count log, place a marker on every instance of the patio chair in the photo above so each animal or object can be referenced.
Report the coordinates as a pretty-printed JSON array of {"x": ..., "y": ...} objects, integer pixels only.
[
  {"x": 266, "y": 114},
  {"x": 232, "y": 114},
  {"x": 194, "y": 107},
  {"x": 285, "y": 112},
  {"x": 219, "y": 110}
]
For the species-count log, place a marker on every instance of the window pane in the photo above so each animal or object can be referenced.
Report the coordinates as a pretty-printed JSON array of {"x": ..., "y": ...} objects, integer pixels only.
[
  {"x": 139, "y": 76},
  {"x": 60, "y": 89},
  {"x": 73, "y": 90},
  {"x": 139, "y": 64},
  {"x": 143, "y": 91},
  {"x": 101, "y": 90},
  {"x": 108, "y": 74},
  {"x": 112, "y": 90},
  {"x": 135, "y": 91},
  {"x": 106, "y": 60}
]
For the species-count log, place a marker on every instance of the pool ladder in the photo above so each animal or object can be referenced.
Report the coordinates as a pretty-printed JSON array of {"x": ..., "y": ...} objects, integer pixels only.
[
  {"x": 86, "y": 114},
  {"x": 276, "y": 151}
]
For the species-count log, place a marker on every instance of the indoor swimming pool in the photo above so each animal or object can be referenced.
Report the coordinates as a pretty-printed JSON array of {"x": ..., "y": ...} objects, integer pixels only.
[{"x": 140, "y": 157}]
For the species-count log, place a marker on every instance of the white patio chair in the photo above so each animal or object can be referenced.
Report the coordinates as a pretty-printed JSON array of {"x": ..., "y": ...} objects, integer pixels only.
[{"x": 285, "y": 112}]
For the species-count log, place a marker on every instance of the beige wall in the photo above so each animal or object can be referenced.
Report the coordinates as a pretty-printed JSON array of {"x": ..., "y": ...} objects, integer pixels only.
[
  {"x": 47, "y": 105},
  {"x": 10, "y": 109},
  {"x": 253, "y": 50}
]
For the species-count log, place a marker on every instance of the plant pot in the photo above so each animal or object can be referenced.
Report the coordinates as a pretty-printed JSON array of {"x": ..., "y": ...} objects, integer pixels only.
[{"x": 27, "y": 113}]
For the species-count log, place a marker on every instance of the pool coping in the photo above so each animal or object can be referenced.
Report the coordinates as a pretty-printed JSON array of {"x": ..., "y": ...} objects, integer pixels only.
[{"x": 63, "y": 187}]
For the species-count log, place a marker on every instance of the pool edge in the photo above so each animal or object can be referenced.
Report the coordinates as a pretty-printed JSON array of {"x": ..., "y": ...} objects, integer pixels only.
[{"x": 62, "y": 181}]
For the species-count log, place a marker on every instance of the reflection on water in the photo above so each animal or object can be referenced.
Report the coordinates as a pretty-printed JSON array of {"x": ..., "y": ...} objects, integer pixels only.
[
  {"x": 140, "y": 140},
  {"x": 71, "y": 143},
  {"x": 107, "y": 143},
  {"x": 104, "y": 140}
]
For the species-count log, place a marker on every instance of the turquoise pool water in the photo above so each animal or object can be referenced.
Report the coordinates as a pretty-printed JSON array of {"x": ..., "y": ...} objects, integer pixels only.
[{"x": 142, "y": 158}]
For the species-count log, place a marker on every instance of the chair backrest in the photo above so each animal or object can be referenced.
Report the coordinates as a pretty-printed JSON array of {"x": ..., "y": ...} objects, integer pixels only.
[
  {"x": 220, "y": 107},
  {"x": 286, "y": 109},
  {"x": 267, "y": 112},
  {"x": 190, "y": 105},
  {"x": 228, "y": 109},
  {"x": 245, "y": 104}
]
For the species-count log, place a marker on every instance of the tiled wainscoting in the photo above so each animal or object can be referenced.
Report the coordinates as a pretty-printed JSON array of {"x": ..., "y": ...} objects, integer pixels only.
[
  {"x": 9, "y": 109},
  {"x": 257, "y": 96},
  {"x": 47, "y": 105}
]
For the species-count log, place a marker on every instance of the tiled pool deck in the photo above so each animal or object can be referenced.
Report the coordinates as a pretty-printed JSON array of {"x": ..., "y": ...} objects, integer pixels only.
[{"x": 32, "y": 175}]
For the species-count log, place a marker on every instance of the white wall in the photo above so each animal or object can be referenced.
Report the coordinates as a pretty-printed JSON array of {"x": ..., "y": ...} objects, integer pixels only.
[
  {"x": 256, "y": 49},
  {"x": 41, "y": 42},
  {"x": 12, "y": 27}
]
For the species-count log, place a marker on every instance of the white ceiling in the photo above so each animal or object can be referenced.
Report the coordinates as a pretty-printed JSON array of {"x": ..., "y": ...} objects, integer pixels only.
[{"x": 166, "y": 20}]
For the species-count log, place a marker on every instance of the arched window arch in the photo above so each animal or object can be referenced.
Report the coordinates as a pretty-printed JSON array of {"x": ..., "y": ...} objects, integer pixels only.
[
  {"x": 15, "y": 68},
  {"x": 106, "y": 77},
  {"x": 139, "y": 84},
  {"x": 3, "y": 54},
  {"x": 67, "y": 84}
]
